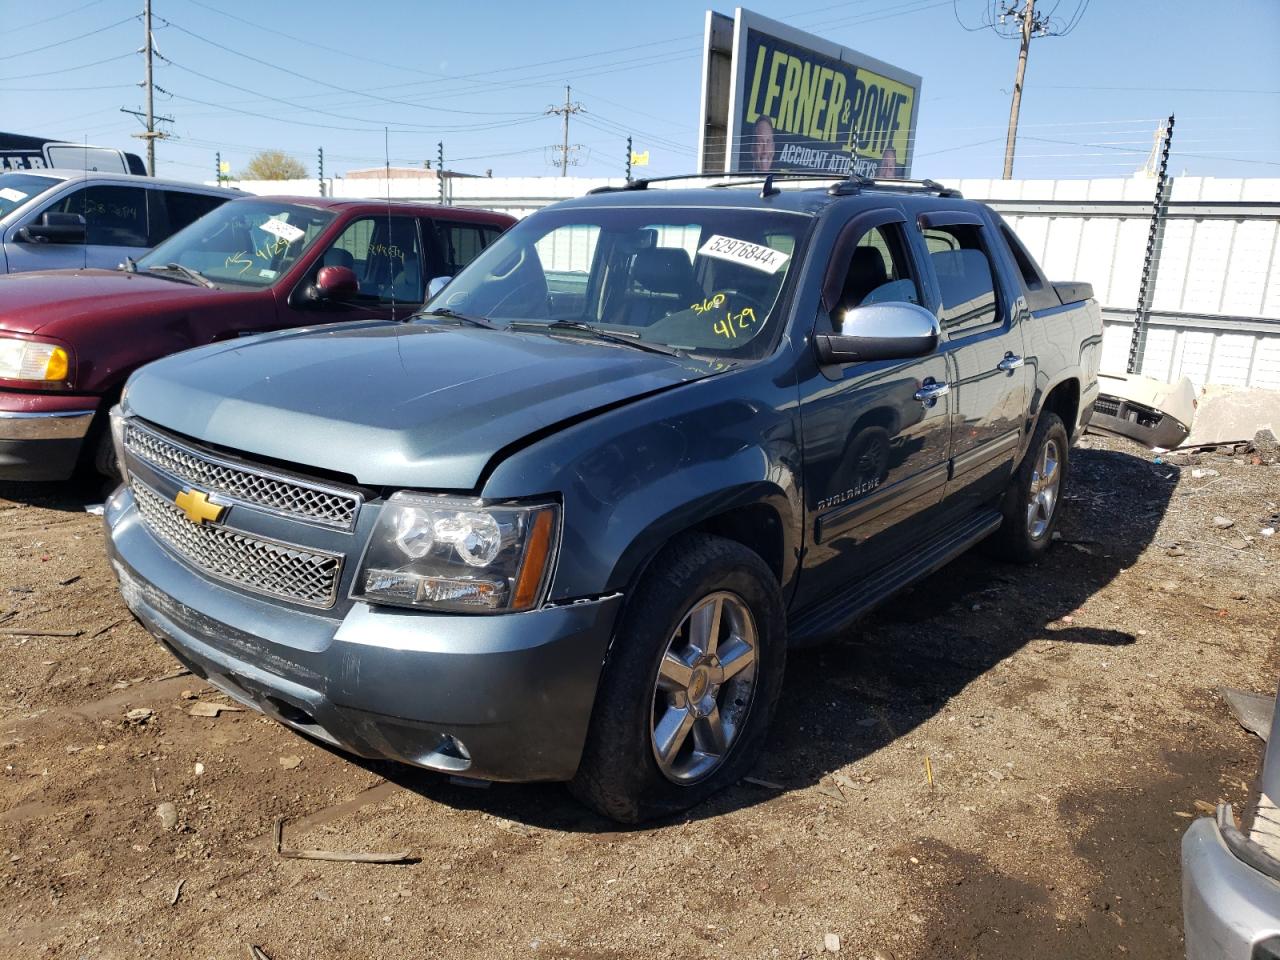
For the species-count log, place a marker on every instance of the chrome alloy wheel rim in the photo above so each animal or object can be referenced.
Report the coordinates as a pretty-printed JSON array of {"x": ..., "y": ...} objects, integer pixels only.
[
  {"x": 1043, "y": 496},
  {"x": 703, "y": 691}
]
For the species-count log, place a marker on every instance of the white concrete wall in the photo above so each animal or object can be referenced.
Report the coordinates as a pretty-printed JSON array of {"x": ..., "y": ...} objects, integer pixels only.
[{"x": 1209, "y": 268}]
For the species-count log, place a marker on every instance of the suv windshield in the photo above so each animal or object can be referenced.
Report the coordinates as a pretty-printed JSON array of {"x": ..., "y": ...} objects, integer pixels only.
[
  {"x": 17, "y": 188},
  {"x": 703, "y": 279},
  {"x": 250, "y": 242}
]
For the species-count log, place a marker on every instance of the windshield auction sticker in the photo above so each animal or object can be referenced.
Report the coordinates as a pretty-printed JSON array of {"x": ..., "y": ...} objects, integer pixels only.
[
  {"x": 8, "y": 193},
  {"x": 285, "y": 231},
  {"x": 764, "y": 259}
]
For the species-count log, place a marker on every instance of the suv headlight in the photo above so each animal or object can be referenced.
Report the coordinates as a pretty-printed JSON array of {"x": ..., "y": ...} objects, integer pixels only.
[
  {"x": 29, "y": 360},
  {"x": 448, "y": 553}
]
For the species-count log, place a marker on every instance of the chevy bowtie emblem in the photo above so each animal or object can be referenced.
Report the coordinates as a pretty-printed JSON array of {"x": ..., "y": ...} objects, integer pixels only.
[{"x": 198, "y": 507}]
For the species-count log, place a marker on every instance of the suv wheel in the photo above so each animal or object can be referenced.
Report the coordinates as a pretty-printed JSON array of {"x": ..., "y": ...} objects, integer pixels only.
[
  {"x": 1031, "y": 503},
  {"x": 690, "y": 685}
]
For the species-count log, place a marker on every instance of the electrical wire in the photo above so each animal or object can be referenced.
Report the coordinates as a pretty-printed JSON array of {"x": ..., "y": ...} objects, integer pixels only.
[
  {"x": 9, "y": 31},
  {"x": 59, "y": 43}
]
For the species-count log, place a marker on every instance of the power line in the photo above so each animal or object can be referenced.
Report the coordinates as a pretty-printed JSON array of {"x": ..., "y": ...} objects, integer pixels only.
[
  {"x": 57, "y": 16},
  {"x": 59, "y": 43},
  {"x": 82, "y": 66},
  {"x": 568, "y": 110}
]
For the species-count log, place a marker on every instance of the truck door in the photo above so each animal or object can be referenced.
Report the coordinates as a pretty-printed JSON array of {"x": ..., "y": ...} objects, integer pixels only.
[
  {"x": 115, "y": 227},
  {"x": 979, "y": 315},
  {"x": 875, "y": 433}
]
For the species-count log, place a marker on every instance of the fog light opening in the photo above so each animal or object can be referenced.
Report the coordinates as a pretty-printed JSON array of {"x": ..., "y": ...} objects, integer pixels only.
[
  {"x": 291, "y": 713},
  {"x": 450, "y": 754}
]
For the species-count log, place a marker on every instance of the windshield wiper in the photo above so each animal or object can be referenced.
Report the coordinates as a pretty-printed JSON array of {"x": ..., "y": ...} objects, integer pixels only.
[
  {"x": 626, "y": 339},
  {"x": 130, "y": 265},
  {"x": 450, "y": 314},
  {"x": 195, "y": 276}
]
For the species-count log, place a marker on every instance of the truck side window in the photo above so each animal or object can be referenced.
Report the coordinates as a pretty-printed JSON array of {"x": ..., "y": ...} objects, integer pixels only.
[
  {"x": 460, "y": 243},
  {"x": 879, "y": 271},
  {"x": 384, "y": 253},
  {"x": 113, "y": 216},
  {"x": 965, "y": 276},
  {"x": 186, "y": 208}
]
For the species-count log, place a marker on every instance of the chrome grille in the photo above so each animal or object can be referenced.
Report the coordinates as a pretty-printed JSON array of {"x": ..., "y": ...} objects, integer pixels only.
[
  {"x": 253, "y": 563},
  {"x": 270, "y": 491}
]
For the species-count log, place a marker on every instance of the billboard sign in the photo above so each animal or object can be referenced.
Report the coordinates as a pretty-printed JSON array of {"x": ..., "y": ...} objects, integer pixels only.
[{"x": 801, "y": 104}]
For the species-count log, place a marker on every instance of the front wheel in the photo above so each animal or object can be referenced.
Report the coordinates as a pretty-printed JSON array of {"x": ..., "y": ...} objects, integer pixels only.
[
  {"x": 1031, "y": 503},
  {"x": 690, "y": 685}
]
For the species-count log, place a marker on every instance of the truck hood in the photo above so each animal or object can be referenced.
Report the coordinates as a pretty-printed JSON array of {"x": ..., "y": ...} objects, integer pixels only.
[
  {"x": 51, "y": 302},
  {"x": 416, "y": 405}
]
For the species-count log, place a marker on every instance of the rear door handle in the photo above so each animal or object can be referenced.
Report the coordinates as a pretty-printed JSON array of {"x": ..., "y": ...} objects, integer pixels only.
[
  {"x": 931, "y": 390},
  {"x": 1010, "y": 362}
]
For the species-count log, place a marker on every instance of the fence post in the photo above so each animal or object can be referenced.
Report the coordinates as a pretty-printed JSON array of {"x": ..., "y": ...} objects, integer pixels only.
[{"x": 1151, "y": 260}]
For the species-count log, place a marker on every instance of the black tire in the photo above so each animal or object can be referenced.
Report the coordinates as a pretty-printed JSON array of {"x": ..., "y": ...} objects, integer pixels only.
[
  {"x": 619, "y": 775},
  {"x": 1015, "y": 540}
]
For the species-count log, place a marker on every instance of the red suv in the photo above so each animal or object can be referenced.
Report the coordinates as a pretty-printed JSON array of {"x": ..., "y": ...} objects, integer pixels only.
[{"x": 69, "y": 339}]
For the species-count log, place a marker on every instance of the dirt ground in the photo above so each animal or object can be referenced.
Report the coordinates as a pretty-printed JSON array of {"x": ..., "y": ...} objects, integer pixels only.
[{"x": 1067, "y": 711}]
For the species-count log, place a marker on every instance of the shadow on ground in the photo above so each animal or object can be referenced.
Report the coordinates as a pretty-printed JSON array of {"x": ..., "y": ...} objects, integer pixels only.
[{"x": 845, "y": 701}]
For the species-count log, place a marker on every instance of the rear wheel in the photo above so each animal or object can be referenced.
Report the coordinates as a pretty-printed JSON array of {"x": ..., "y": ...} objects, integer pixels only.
[
  {"x": 691, "y": 682},
  {"x": 1031, "y": 503}
]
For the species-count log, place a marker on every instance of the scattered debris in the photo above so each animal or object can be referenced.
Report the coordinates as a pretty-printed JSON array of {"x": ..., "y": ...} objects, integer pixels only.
[
  {"x": 1198, "y": 473},
  {"x": 1223, "y": 523},
  {"x": 205, "y": 708},
  {"x": 199, "y": 768},
  {"x": 101, "y": 630},
  {"x": 168, "y": 815},
  {"x": 177, "y": 892},
  {"x": 95, "y": 509},
  {"x": 767, "y": 784},
  {"x": 928, "y": 771},
  {"x": 399, "y": 856},
  {"x": 1251, "y": 710},
  {"x": 139, "y": 715},
  {"x": 291, "y": 762},
  {"x": 181, "y": 672},
  {"x": 14, "y": 632},
  {"x": 257, "y": 953},
  {"x": 69, "y": 581},
  {"x": 831, "y": 942}
]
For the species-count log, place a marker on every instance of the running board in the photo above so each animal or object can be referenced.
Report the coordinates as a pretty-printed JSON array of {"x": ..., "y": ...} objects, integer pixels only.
[{"x": 831, "y": 616}]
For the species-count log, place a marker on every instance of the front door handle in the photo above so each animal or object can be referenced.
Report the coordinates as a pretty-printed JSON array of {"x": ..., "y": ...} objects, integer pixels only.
[
  {"x": 931, "y": 390},
  {"x": 1010, "y": 362}
]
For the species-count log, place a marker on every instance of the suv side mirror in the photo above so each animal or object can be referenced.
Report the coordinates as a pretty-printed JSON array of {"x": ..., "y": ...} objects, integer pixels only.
[
  {"x": 337, "y": 283},
  {"x": 880, "y": 331},
  {"x": 436, "y": 285},
  {"x": 54, "y": 228}
]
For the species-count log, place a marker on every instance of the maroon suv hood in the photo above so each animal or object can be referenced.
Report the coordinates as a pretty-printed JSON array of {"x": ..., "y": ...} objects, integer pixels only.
[{"x": 57, "y": 303}]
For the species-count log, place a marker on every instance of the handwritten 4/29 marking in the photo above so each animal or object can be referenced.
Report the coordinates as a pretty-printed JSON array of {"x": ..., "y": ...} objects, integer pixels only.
[{"x": 733, "y": 322}]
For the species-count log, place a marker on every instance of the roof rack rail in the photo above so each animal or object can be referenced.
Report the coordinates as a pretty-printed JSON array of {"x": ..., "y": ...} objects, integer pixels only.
[
  {"x": 856, "y": 183},
  {"x": 844, "y": 186}
]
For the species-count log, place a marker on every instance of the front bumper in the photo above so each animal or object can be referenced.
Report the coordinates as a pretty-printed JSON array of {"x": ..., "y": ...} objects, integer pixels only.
[
  {"x": 505, "y": 697},
  {"x": 41, "y": 436},
  {"x": 1228, "y": 907}
]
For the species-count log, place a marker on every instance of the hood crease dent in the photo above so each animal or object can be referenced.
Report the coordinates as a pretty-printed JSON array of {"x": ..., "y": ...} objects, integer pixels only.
[{"x": 413, "y": 405}]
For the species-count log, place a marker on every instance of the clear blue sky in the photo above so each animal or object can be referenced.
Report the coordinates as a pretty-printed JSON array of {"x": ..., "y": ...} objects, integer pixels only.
[{"x": 480, "y": 75}]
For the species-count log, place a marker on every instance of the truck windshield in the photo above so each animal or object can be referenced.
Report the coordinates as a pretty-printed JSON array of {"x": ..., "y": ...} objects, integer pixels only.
[
  {"x": 249, "y": 242},
  {"x": 702, "y": 279},
  {"x": 17, "y": 188}
]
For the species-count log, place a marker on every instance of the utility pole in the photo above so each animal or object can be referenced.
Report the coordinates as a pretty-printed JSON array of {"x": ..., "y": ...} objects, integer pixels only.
[
  {"x": 566, "y": 111},
  {"x": 149, "y": 116},
  {"x": 1028, "y": 25}
]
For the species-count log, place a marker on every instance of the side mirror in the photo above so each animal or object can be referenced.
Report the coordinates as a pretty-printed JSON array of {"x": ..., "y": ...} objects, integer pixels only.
[
  {"x": 436, "y": 285},
  {"x": 337, "y": 283},
  {"x": 54, "y": 228},
  {"x": 880, "y": 331}
]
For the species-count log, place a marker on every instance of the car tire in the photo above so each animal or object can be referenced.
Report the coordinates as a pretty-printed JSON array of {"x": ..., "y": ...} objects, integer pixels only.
[
  {"x": 1032, "y": 503},
  {"x": 696, "y": 581}
]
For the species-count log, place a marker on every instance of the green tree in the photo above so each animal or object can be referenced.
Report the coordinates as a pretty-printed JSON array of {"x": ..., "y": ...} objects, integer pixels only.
[{"x": 273, "y": 165}]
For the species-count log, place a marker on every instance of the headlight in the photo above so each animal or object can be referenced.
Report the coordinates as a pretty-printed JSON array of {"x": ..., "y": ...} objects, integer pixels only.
[
  {"x": 447, "y": 553},
  {"x": 116, "y": 417},
  {"x": 28, "y": 360}
]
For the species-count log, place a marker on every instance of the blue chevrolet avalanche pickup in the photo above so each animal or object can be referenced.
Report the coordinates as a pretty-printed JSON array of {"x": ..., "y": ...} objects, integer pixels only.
[{"x": 567, "y": 520}]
